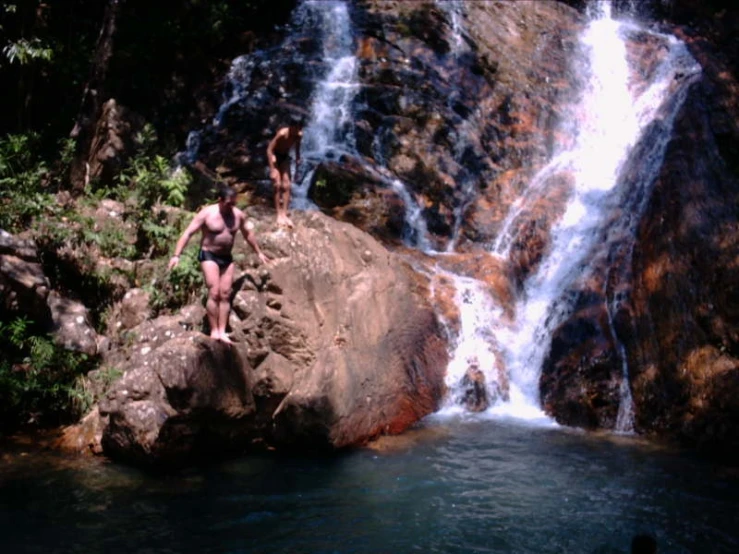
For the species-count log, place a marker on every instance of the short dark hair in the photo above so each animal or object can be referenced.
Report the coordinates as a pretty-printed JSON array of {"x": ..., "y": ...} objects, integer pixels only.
[
  {"x": 295, "y": 120},
  {"x": 226, "y": 193}
]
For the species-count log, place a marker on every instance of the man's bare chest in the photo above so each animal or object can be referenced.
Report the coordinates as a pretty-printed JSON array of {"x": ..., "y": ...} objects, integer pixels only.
[{"x": 218, "y": 224}]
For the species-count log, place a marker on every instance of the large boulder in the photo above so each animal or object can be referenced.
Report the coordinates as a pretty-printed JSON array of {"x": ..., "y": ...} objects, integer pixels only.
[
  {"x": 24, "y": 287},
  {"x": 335, "y": 343},
  {"x": 26, "y": 291}
]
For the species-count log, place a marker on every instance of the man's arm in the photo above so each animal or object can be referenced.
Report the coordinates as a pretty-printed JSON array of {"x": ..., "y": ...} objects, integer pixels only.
[
  {"x": 271, "y": 154},
  {"x": 250, "y": 237},
  {"x": 191, "y": 229}
]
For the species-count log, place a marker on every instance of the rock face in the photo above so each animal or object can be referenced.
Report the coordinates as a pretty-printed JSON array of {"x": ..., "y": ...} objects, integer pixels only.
[
  {"x": 335, "y": 343},
  {"x": 23, "y": 285},
  {"x": 686, "y": 378},
  {"x": 677, "y": 307},
  {"x": 26, "y": 291},
  {"x": 464, "y": 120}
]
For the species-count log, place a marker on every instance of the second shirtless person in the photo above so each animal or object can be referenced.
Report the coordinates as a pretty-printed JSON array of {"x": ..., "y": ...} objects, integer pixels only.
[{"x": 278, "y": 158}]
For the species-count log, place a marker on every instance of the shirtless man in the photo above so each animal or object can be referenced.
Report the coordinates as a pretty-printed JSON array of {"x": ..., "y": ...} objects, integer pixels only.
[
  {"x": 219, "y": 224},
  {"x": 278, "y": 157}
]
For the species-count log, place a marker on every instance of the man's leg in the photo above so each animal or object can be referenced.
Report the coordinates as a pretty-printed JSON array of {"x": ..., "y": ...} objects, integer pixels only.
[
  {"x": 277, "y": 184},
  {"x": 211, "y": 273},
  {"x": 286, "y": 187},
  {"x": 224, "y": 306}
]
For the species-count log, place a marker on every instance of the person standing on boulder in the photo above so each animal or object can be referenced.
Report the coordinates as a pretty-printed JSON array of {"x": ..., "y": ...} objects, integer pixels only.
[
  {"x": 219, "y": 224},
  {"x": 278, "y": 158}
]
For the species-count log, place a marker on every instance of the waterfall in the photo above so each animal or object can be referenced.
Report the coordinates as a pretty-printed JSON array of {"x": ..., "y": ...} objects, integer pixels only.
[
  {"x": 415, "y": 231},
  {"x": 329, "y": 132},
  {"x": 465, "y": 181},
  {"x": 617, "y": 125},
  {"x": 455, "y": 12},
  {"x": 237, "y": 83}
]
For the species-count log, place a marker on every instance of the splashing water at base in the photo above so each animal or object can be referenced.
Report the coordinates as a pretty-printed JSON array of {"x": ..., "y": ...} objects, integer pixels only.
[{"x": 611, "y": 120}]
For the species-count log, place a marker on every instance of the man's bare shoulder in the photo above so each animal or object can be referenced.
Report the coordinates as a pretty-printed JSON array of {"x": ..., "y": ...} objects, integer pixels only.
[
  {"x": 240, "y": 215},
  {"x": 208, "y": 210}
]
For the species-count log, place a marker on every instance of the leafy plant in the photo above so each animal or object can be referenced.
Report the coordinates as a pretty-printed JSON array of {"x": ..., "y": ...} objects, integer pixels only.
[
  {"x": 25, "y": 51},
  {"x": 24, "y": 176},
  {"x": 37, "y": 376},
  {"x": 177, "y": 287},
  {"x": 87, "y": 390}
]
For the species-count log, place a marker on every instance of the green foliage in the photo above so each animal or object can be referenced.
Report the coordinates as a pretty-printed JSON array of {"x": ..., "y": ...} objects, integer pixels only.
[
  {"x": 89, "y": 389},
  {"x": 177, "y": 287},
  {"x": 25, "y": 51},
  {"x": 111, "y": 240},
  {"x": 157, "y": 233},
  {"x": 37, "y": 376},
  {"x": 150, "y": 176},
  {"x": 23, "y": 175}
]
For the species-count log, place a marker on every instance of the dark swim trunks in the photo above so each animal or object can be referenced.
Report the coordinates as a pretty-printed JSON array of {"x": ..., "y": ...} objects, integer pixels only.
[
  {"x": 222, "y": 261},
  {"x": 282, "y": 158}
]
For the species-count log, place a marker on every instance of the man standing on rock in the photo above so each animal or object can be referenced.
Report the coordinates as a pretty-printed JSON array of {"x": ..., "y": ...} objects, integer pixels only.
[
  {"x": 278, "y": 158},
  {"x": 219, "y": 224}
]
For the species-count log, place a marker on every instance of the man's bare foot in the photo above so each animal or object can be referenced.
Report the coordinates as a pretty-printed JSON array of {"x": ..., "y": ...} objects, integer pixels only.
[
  {"x": 224, "y": 338},
  {"x": 289, "y": 223},
  {"x": 215, "y": 335}
]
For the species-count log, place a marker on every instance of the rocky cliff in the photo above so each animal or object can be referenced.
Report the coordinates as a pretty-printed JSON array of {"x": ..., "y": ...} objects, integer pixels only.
[
  {"x": 341, "y": 339},
  {"x": 335, "y": 343}
]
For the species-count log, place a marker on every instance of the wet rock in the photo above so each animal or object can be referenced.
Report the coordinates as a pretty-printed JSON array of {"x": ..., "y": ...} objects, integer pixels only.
[
  {"x": 72, "y": 325},
  {"x": 474, "y": 395}
]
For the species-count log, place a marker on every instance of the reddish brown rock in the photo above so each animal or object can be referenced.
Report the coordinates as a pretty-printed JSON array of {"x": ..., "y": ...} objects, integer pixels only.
[{"x": 335, "y": 343}]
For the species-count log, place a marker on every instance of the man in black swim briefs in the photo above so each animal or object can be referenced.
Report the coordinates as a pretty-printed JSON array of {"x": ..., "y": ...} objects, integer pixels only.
[
  {"x": 278, "y": 158},
  {"x": 219, "y": 224},
  {"x": 221, "y": 261}
]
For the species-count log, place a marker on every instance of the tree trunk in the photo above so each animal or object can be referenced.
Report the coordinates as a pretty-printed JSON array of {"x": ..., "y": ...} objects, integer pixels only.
[{"x": 93, "y": 97}]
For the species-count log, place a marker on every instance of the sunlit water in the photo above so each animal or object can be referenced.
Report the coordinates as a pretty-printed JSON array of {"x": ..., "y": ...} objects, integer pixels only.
[
  {"x": 615, "y": 127},
  {"x": 454, "y": 487}
]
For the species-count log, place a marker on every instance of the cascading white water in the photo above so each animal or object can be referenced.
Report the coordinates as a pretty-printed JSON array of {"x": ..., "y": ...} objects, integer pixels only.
[
  {"x": 611, "y": 119},
  {"x": 238, "y": 81},
  {"x": 455, "y": 11},
  {"x": 474, "y": 343},
  {"x": 415, "y": 232},
  {"x": 329, "y": 131}
]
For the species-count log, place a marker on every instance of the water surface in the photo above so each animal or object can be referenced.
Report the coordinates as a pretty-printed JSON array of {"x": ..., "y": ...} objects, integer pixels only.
[{"x": 452, "y": 486}]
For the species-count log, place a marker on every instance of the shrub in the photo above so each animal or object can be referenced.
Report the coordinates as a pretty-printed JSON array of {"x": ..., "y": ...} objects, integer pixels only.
[
  {"x": 37, "y": 376},
  {"x": 22, "y": 178}
]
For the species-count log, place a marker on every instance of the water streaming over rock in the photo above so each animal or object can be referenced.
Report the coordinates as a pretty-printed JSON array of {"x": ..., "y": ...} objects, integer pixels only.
[
  {"x": 466, "y": 181},
  {"x": 614, "y": 140},
  {"x": 618, "y": 141},
  {"x": 329, "y": 132}
]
